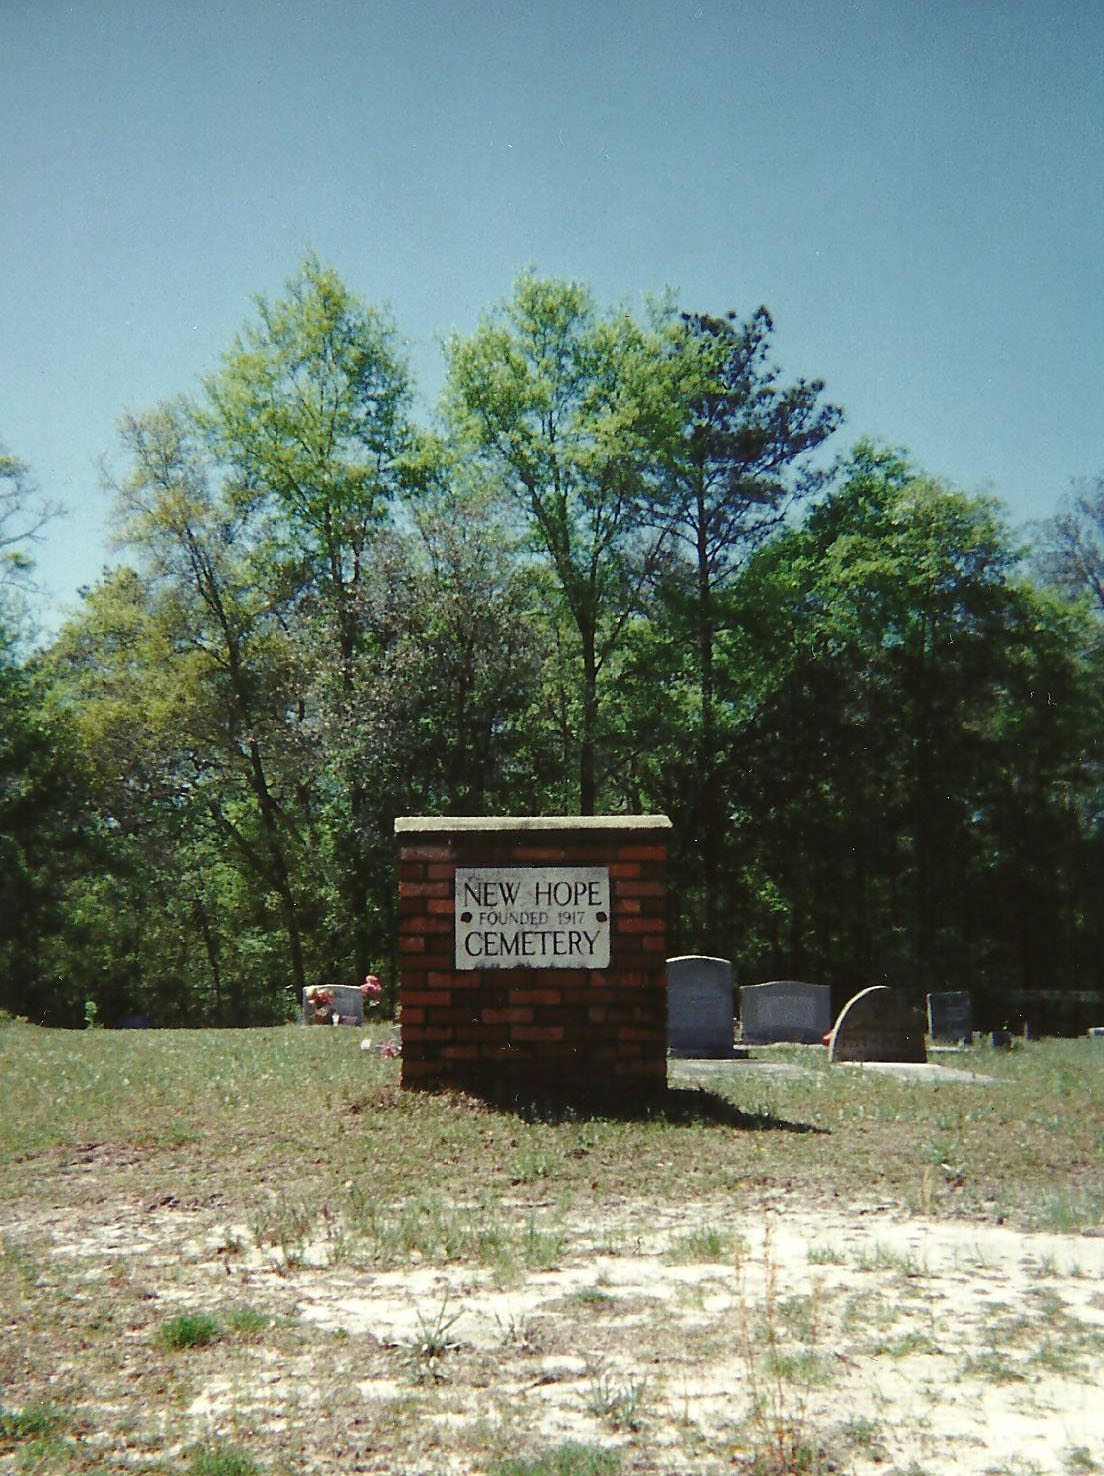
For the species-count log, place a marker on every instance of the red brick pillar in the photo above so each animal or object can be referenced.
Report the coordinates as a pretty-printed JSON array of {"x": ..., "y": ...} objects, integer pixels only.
[{"x": 533, "y": 957}]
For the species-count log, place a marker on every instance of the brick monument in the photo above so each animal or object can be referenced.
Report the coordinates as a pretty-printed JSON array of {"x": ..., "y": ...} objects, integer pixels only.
[{"x": 533, "y": 957}]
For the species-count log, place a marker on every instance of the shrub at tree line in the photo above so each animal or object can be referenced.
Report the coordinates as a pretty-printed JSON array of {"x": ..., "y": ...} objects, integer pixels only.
[{"x": 619, "y": 575}]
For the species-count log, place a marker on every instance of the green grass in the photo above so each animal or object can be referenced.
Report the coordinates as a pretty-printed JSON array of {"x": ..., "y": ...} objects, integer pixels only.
[
  {"x": 251, "y": 1156},
  {"x": 142, "y": 1103}
]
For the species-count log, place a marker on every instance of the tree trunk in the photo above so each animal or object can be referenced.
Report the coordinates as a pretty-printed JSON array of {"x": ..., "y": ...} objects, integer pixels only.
[{"x": 588, "y": 739}]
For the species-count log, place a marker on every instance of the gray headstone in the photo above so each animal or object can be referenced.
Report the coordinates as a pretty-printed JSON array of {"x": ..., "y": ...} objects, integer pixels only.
[
  {"x": 699, "y": 1006},
  {"x": 785, "y": 1010},
  {"x": 346, "y": 1005},
  {"x": 951, "y": 1016},
  {"x": 877, "y": 1025}
]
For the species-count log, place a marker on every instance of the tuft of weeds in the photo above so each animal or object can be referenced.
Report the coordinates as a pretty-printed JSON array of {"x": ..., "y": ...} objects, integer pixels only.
[
  {"x": 13, "y": 1256},
  {"x": 879, "y": 1257},
  {"x": 1057, "y": 1357},
  {"x": 592, "y": 1296},
  {"x": 248, "y": 1323},
  {"x": 429, "y": 1347},
  {"x": 706, "y": 1243},
  {"x": 542, "y": 1249},
  {"x": 188, "y": 1330},
  {"x": 222, "y": 1460},
  {"x": 994, "y": 1366},
  {"x": 287, "y": 1227},
  {"x": 905, "y": 1345},
  {"x": 826, "y": 1255},
  {"x": 531, "y": 1166},
  {"x": 32, "y": 1422},
  {"x": 779, "y": 1374},
  {"x": 862, "y": 1436},
  {"x": 1079, "y": 1461},
  {"x": 1069, "y": 1208},
  {"x": 518, "y": 1332},
  {"x": 806, "y": 1366},
  {"x": 36, "y": 1432},
  {"x": 571, "y": 1459},
  {"x": 621, "y": 1405}
]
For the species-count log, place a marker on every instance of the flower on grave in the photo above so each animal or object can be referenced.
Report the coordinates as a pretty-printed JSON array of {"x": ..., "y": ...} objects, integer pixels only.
[
  {"x": 320, "y": 1001},
  {"x": 371, "y": 989},
  {"x": 389, "y": 1050}
]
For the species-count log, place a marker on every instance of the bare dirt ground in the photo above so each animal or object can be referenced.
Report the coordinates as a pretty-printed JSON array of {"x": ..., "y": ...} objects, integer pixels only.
[{"x": 691, "y": 1339}]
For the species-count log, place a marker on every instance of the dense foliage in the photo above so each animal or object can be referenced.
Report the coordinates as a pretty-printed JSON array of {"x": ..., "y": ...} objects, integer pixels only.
[{"x": 618, "y": 575}]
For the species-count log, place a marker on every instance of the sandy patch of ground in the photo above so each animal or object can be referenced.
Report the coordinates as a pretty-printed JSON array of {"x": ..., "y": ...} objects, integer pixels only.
[{"x": 690, "y": 1338}]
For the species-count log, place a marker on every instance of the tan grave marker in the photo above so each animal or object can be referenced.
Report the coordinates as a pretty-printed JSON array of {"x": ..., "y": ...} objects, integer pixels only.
[{"x": 878, "y": 1025}]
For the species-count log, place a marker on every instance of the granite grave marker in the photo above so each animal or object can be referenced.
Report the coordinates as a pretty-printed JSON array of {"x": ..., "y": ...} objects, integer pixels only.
[
  {"x": 699, "y": 1006},
  {"x": 951, "y": 1017},
  {"x": 785, "y": 1010}
]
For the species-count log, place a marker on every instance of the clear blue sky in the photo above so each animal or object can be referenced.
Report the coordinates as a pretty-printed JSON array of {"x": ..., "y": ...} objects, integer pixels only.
[{"x": 915, "y": 188}]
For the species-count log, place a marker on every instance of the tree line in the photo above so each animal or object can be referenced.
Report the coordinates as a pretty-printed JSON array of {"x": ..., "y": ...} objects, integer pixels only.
[{"x": 621, "y": 571}]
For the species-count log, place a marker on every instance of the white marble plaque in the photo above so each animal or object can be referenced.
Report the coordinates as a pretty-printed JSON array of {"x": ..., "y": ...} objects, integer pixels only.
[{"x": 533, "y": 917}]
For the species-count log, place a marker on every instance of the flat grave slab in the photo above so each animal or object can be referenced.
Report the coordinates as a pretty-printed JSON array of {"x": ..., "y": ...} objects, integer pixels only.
[{"x": 920, "y": 1071}]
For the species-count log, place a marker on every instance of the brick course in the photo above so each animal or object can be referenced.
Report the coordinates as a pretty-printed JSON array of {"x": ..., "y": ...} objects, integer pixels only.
[{"x": 570, "y": 1035}]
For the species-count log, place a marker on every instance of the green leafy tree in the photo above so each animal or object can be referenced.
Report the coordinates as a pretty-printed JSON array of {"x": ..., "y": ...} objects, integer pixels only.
[
  {"x": 307, "y": 417},
  {"x": 897, "y": 662},
  {"x": 572, "y": 413},
  {"x": 41, "y": 837},
  {"x": 40, "y": 777},
  {"x": 177, "y": 915}
]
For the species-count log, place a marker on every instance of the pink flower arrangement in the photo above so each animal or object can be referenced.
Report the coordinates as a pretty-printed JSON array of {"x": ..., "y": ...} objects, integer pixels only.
[
  {"x": 320, "y": 1000},
  {"x": 371, "y": 989}
]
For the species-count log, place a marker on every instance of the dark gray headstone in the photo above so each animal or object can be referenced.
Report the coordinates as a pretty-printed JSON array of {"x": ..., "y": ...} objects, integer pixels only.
[
  {"x": 877, "y": 1025},
  {"x": 699, "y": 1007},
  {"x": 785, "y": 1010},
  {"x": 951, "y": 1016},
  {"x": 345, "y": 1005}
]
